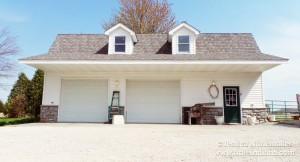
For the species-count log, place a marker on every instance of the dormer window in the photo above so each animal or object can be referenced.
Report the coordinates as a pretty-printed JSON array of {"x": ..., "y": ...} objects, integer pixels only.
[
  {"x": 120, "y": 40},
  {"x": 184, "y": 43},
  {"x": 120, "y": 43},
  {"x": 183, "y": 39}
]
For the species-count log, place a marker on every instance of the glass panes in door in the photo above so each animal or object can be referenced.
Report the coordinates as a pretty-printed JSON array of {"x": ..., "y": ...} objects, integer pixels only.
[{"x": 231, "y": 96}]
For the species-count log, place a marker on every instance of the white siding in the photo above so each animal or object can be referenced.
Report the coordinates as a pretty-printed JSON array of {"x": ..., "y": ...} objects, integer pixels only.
[
  {"x": 128, "y": 41},
  {"x": 195, "y": 90},
  {"x": 51, "y": 91},
  {"x": 254, "y": 98},
  {"x": 183, "y": 31}
]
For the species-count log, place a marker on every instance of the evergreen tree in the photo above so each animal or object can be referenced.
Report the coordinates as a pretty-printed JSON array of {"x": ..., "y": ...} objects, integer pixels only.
[
  {"x": 19, "y": 106},
  {"x": 19, "y": 93},
  {"x": 2, "y": 108},
  {"x": 36, "y": 93},
  {"x": 5, "y": 108}
]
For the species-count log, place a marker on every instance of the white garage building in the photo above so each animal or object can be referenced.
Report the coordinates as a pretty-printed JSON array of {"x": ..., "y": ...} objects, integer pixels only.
[{"x": 156, "y": 74}]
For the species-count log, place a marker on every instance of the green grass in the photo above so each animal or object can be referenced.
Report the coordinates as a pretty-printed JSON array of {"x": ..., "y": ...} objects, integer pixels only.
[
  {"x": 11, "y": 121},
  {"x": 283, "y": 117}
]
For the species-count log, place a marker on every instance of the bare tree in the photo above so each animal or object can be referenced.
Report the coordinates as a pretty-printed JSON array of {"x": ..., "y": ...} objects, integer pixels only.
[
  {"x": 7, "y": 48},
  {"x": 144, "y": 16}
]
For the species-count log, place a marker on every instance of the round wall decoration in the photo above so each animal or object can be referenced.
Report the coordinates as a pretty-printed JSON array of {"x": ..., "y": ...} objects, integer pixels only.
[{"x": 213, "y": 91}]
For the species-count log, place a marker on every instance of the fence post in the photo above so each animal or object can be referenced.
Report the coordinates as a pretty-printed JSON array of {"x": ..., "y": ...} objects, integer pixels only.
[
  {"x": 285, "y": 109},
  {"x": 272, "y": 111},
  {"x": 298, "y": 102}
]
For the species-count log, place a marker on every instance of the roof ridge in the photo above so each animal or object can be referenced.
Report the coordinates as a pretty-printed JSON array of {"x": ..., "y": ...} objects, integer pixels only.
[
  {"x": 226, "y": 33},
  {"x": 79, "y": 34},
  {"x": 149, "y": 33},
  {"x": 152, "y": 34}
]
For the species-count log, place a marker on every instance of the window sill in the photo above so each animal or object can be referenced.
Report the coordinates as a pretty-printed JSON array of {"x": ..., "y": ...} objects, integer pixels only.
[
  {"x": 184, "y": 53},
  {"x": 119, "y": 53}
]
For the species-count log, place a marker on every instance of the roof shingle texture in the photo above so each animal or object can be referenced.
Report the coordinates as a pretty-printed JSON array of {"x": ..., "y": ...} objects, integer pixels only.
[{"x": 209, "y": 46}]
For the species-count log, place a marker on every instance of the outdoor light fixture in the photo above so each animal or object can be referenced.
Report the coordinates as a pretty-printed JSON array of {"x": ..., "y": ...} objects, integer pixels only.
[
  {"x": 213, "y": 82},
  {"x": 117, "y": 83}
]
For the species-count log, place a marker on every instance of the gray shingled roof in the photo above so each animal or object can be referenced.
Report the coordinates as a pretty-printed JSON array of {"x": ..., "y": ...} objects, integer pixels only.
[{"x": 210, "y": 46}]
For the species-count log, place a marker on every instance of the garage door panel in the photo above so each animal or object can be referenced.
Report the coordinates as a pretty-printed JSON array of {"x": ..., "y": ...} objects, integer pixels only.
[
  {"x": 83, "y": 101},
  {"x": 153, "y": 102},
  {"x": 146, "y": 98}
]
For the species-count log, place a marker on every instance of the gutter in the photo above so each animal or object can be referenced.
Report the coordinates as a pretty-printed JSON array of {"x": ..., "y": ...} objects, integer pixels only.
[{"x": 92, "y": 62}]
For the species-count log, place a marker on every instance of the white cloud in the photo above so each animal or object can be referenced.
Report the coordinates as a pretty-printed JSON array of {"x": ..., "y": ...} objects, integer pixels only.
[
  {"x": 287, "y": 28},
  {"x": 13, "y": 17}
]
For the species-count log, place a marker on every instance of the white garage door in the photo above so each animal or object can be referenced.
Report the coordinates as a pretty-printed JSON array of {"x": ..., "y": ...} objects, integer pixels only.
[
  {"x": 153, "y": 102},
  {"x": 83, "y": 101}
]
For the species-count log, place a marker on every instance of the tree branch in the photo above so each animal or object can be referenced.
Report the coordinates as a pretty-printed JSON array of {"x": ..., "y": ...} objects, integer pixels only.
[
  {"x": 8, "y": 47},
  {"x": 144, "y": 16}
]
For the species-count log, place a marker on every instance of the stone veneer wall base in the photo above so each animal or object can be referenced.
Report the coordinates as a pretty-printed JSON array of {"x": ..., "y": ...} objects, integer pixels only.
[
  {"x": 49, "y": 113},
  {"x": 260, "y": 113}
]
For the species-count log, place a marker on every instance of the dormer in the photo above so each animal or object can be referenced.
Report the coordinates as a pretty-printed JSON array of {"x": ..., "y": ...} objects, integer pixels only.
[
  {"x": 183, "y": 38},
  {"x": 120, "y": 39}
]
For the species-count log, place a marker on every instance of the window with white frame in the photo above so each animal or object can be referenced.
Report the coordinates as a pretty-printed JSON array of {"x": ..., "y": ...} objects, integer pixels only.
[
  {"x": 120, "y": 44},
  {"x": 184, "y": 43}
]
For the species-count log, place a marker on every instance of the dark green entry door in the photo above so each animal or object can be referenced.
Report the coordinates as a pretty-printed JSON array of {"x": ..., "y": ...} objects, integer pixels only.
[{"x": 232, "y": 108}]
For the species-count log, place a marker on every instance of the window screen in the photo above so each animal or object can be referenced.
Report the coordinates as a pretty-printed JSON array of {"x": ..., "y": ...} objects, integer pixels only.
[
  {"x": 184, "y": 43},
  {"x": 120, "y": 44}
]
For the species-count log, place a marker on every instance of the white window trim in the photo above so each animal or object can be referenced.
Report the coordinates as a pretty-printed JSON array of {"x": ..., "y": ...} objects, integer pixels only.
[
  {"x": 124, "y": 27},
  {"x": 184, "y": 52}
]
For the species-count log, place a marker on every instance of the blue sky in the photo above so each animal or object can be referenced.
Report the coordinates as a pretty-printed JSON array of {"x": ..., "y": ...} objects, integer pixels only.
[{"x": 274, "y": 23}]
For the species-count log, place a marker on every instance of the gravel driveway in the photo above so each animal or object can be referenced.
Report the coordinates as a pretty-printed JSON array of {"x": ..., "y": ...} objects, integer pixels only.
[{"x": 146, "y": 142}]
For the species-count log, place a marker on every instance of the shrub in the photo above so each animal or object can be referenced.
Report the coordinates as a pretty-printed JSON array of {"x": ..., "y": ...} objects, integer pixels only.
[{"x": 11, "y": 121}]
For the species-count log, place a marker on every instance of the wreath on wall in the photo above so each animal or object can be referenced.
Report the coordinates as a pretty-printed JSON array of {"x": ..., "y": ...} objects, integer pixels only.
[{"x": 213, "y": 91}]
